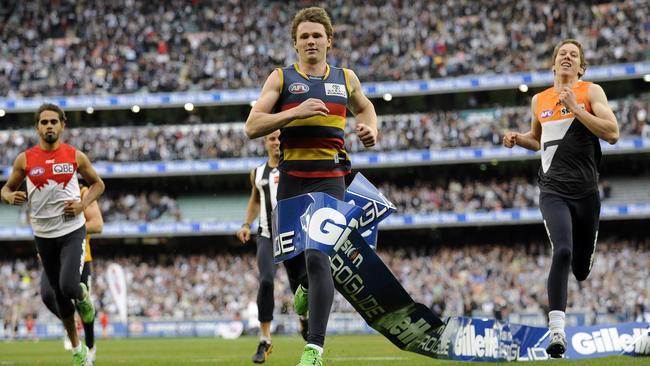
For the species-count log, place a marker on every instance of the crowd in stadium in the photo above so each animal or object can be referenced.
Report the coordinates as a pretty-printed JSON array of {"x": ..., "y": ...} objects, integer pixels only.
[
  {"x": 139, "y": 207},
  {"x": 489, "y": 280},
  {"x": 397, "y": 132},
  {"x": 132, "y": 207},
  {"x": 420, "y": 197},
  {"x": 66, "y": 48}
]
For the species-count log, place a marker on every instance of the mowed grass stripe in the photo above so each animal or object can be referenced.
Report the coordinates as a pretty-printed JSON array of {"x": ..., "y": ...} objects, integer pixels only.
[{"x": 350, "y": 350}]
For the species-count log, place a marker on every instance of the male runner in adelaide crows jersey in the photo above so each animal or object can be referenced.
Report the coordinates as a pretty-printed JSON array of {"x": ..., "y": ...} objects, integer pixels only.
[
  {"x": 307, "y": 101},
  {"x": 568, "y": 120}
]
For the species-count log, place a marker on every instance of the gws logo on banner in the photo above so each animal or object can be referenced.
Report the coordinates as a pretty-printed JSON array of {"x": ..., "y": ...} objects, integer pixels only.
[
  {"x": 328, "y": 226},
  {"x": 609, "y": 340},
  {"x": 298, "y": 88}
]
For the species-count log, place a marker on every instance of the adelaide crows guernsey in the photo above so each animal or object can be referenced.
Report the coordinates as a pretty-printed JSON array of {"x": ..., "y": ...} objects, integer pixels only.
[
  {"x": 51, "y": 181},
  {"x": 570, "y": 152},
  {"x": 314, "y": 147},
  {"x": 266, "y": 182}
]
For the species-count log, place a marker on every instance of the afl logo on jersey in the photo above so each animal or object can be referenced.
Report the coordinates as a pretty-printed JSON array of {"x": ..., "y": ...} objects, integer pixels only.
[
  {"x": 298, "y": 88},
  {"x": 36, "y": 171},
  {"x": 63, "y": 168},
  {"x": 545, "y": 114}
]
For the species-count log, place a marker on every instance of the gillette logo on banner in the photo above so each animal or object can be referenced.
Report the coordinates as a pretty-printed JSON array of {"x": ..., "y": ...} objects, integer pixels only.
[
  {"x": 468, "y": 343},
  {"x": 608, "y": 340}
]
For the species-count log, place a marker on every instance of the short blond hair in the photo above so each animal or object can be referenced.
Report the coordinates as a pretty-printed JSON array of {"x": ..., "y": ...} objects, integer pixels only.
[{"x": 583, "y": 62}]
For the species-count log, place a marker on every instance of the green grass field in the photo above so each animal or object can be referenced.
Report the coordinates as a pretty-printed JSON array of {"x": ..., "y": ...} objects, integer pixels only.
[{"x": 355, "y": 350}]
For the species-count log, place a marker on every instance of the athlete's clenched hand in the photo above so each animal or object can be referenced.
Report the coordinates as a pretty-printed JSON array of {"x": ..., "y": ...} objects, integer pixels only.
[
  {"x": 510, "y": 139},
  {"x": 310, "y": 107},
  {"x": 367, "y": 135},
  {"x": 17, "y": 198},
  {"x": 73, "y": 208}
]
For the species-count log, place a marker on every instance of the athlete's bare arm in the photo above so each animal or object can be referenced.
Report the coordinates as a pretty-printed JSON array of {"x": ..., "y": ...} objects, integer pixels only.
[
  {"x": 95, "y": 186},
  {"x": 261, "y": 121},
  {"x": 252, "y": 210},
  {"x": 363, "y": 111},
  {"x": 94, "y": 218},
  {"x": 602, "y": 122},
  {"x": 10, "y": 193},
  {"x": 531, "y": 139}
]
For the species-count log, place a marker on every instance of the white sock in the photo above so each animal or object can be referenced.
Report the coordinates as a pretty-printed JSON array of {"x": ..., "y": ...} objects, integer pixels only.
[
  {"x": 556, "y": 320},
  {"x": 265, "y": 339},
  {"x": 77, "y": 349},
  {"x": 317, "y": 348}
]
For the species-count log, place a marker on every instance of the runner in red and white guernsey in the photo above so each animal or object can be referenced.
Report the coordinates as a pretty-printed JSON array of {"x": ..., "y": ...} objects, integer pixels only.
[{"x": 56, "y": 215}]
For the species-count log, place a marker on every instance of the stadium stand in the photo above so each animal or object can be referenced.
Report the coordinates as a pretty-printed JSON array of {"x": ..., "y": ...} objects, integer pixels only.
[
  {"x": 435, "y": 130},
  {"x": 172, "y": 45}
]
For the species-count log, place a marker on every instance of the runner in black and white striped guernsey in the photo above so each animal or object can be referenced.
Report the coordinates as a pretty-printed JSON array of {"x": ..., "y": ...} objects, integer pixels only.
[{"x": 264, "y": 181}]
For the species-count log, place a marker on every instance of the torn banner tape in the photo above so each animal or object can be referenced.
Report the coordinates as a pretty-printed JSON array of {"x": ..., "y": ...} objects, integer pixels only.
[{"x": 319, "y": 221}]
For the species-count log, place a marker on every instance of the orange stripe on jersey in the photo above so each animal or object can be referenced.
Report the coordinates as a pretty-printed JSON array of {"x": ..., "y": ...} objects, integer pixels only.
[{"x": 549, "y": 108}]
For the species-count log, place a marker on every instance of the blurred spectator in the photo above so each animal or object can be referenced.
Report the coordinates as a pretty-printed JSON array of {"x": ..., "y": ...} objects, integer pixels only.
[
  {"x": 485, "y": 280},
  {"x": 434, "y": 130},
  {"x": 71, "y": 47},
  {"x": 468, "y": 196}
]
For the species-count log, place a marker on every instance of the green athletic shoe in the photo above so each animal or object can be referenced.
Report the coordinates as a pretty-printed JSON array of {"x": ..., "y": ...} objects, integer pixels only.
[
  {"x": 300, "y": 301},
  {"x": 85, "y": 306},
  {"x": 79, "y": 358},
  {"x": 310, "y": 357}
]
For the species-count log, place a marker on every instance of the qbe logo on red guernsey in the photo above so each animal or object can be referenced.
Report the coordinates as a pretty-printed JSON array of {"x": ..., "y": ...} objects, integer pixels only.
[{"x": 63, "y": 168}]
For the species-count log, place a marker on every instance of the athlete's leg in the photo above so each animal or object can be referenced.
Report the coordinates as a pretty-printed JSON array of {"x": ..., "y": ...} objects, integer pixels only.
[
  {"x": 321, "y": 284},
  {"x": 51, "y": 254},
  {"x": 266, "y": 269},
  {"x": 89, "y": 327},
  {"x": 72, "y": 255},
  {"x": 265, "y": 303},
  {"x": 557, "y": 220},
  {"x": 48, "y": 296},
  {"x": 586, "y": 216}
]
